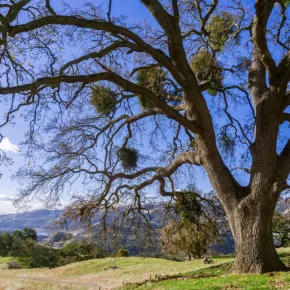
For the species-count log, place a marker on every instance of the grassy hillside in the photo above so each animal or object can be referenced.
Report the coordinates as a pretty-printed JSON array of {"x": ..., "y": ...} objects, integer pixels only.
[
  {"x": 96, "y": 272},
  {"x": 217, "y": 278},
  {"x": 142, "y": 273}
]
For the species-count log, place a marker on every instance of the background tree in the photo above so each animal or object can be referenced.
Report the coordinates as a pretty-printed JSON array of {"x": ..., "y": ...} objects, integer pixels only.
[
  {"x": 281, "y": 229},
  {"x": 29, "y": 234},
  {"x": 198, "y": 221},
  {"x": 187, "y": 238},
  {"x": 193, "y": 121}
]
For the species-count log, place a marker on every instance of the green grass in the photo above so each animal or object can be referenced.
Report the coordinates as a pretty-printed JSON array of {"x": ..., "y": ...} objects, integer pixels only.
[
  {"x": 225, "y": 281},
  {"x": 129, "y": 270},
  {"x": 218, "y": 278},
  {"x": 147, "y": 274},
  {"x": 4, "y": 261}
]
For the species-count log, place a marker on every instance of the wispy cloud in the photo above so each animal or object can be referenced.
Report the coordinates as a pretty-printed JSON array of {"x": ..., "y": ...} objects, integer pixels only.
[
  {"x": 6, "y": 203},
  {"x": 4, "y": 197},
  {"x": 7, "y": 146}
]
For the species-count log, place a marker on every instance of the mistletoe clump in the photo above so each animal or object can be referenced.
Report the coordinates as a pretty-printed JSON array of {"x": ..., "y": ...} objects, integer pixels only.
[
  {"x": 220, "y": 28},
  {"x": 103, "y": 99},
  {"x": 129, "y": 158},
  {"x": 190, "y": 206},
  {"x": 207, "y": 69},
  {"x": 227, "y": 143},
  {"x": 152, "y": 79}
]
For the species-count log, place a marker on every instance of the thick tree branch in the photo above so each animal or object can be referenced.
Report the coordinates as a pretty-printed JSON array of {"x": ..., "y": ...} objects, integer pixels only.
[
  {"x": 109, "y": 76},
  {"x": 283, "y": 164},
  {"x": 263, "y": 12},
  {"x": 284, "y": 71},
  {"x": 157, "y": 54}
]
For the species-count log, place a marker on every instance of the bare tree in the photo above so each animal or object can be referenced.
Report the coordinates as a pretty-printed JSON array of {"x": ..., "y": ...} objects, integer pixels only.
[{"x": 189, "y": 72}]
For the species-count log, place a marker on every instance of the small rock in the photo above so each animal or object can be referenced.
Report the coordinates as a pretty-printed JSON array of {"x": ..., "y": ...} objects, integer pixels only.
[
  {"x": 112, "y": 267},
  {"x": 14, "y": 265}
]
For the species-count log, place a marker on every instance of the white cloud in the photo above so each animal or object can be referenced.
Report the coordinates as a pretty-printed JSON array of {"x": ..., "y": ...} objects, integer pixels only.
[
  {"x": 4, "y": 197},
  {"x": 7, "y": 146},
  {"x": 6, "y": 204}
]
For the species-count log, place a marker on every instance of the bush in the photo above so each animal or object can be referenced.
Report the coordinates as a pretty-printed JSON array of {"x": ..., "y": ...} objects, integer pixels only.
[
  {"x": 81, "y": 251},
  {"x": 14, "y": 265},
  {"x": 23, "y": 245},
  {"x": 6, "y": 241},
  {"x": 42, "y": 256},
  {"x": 122, "y": 253}
]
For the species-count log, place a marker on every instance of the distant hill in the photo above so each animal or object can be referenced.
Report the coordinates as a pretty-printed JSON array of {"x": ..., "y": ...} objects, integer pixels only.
[
  {"x": 44, "y": 222},
  {"x": 40, "y": 220}
]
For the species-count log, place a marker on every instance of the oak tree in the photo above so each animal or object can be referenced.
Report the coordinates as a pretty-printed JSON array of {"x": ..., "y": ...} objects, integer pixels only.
[{"x": 204, "y": 84}]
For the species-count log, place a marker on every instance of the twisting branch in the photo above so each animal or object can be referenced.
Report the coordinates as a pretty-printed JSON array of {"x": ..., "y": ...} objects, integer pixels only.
[{"x": 263, "y": 12}]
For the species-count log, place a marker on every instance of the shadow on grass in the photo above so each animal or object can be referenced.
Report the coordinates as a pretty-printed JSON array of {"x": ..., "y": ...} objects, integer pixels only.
[
  {"x": 223, "y": 271},
  {"x": 210, "y": 272}
]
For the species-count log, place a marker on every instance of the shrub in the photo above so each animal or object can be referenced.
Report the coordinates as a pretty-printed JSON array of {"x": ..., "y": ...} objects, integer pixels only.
[
  {"x": 14, "y": 265},
  {"x": 42, "y": 256},
  {"x": 81, "y": 251},
  {"x": 6, "y": 241},
  {"x": 129, "y": 157},
  {"x": 122, "y": 253},
  {"x": 103, "y": 99}
]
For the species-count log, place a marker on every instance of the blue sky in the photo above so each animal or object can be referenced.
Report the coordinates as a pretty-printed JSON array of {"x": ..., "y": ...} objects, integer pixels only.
[{"x": 15, "y": 134}]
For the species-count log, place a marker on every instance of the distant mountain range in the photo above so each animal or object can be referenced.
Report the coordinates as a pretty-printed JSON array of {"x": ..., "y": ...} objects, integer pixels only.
[
  {"x": 44, "y": 222},
  {"x": 40, "y": 220}
]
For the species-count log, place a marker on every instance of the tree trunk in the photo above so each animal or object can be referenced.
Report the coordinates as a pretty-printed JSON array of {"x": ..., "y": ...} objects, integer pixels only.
[{"x": 251, "y": 224}]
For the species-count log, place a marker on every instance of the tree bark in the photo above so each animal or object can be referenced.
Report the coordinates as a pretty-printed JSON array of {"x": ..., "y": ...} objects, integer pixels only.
[{"x": 251, "y": 224}]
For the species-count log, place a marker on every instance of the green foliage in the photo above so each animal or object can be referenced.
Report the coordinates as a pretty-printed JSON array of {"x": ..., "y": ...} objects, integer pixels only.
[
  {"x": 187, "y": 238},
  {"x": 122, "y": 253},
  {"x": 42, "y": 256},
  {"x": 286, "y": 2},
  {"x": 281, "y": 230},
  {"x": 29, "y": 234},
  {"x": 23, "y": 245},
  {"x": 129, "y": 158},
  {"x": 207, "y": 69},
  {"x": 103, "y": 99},
  {"x": 18, "y": 235},
  {"x": 152, "y": 79},
  {"x": 220, "y": 28},
  {"x": 6, "y": 241},
  {"x": 75, "y": 252}
]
